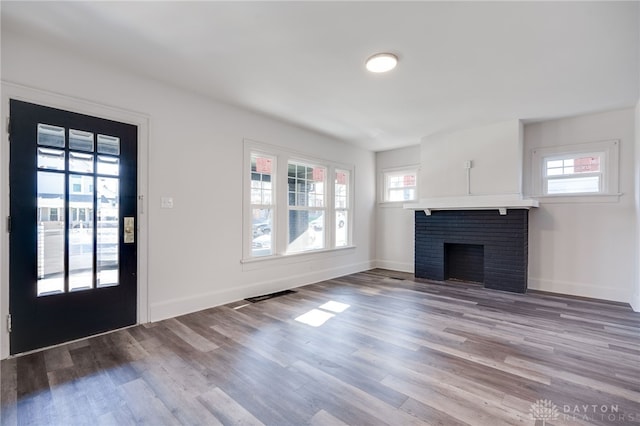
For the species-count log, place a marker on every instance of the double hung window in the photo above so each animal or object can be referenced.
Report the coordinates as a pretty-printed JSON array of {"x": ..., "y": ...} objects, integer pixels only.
[
  {"x": 589, "y": 169},
  {"x": 307, "y": 195},
  {"x": 262, "y": 206},
  {"x": 400, "y": 185},
  {"x": 302, "y": 205},
  {"x": 573, "y": 174}
]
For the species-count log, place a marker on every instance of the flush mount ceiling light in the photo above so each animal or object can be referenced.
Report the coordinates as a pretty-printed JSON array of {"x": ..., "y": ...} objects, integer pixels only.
[{"x": 382, "y": 62}]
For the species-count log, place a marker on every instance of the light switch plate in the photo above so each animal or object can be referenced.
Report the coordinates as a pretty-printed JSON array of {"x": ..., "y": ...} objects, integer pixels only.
[{"x": 166, "y": 202}]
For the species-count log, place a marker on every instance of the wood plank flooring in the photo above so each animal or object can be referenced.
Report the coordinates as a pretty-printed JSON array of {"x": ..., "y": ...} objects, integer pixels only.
[{"x": 392, "y": 351}]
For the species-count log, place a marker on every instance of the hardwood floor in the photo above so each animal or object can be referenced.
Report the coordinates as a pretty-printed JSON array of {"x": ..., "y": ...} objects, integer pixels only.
[{"x": 400, "y": 352}]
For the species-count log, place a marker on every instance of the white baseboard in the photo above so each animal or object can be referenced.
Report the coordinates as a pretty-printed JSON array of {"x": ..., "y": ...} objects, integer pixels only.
[
  {"x": 395, "y": 266},
  {"x": 181, "y": 306},
  {"x": 580, "y": 289}
]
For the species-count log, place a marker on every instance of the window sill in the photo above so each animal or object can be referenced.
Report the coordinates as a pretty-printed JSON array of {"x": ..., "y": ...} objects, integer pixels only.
[
  {"x": 578, "y": 198},
  {"x": 285, "y": 259}
]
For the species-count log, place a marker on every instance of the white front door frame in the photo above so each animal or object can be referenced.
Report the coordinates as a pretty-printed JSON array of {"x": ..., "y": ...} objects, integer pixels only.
[{"x": 54, "y": 100}]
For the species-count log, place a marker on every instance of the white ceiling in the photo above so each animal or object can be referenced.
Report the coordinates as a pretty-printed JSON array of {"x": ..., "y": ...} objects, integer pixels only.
[{"x": 461, "y": 64}]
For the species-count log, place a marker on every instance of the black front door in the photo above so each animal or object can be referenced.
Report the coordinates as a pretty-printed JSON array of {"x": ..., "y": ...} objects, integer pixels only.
[{"x": 73, "y": 256}]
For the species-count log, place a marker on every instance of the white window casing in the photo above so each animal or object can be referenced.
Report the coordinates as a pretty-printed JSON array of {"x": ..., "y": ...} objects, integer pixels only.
[
  {"x": 578, "y": 172},
  {"x": 399, "y": 185},
  {"x": 293, "y": 211}
]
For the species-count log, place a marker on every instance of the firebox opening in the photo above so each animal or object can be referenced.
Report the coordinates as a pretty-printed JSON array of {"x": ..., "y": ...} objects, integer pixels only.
[{"x": 464, "y": 262}]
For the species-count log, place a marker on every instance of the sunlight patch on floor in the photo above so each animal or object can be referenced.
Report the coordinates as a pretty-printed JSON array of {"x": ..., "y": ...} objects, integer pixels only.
[{"x": 317, "y": 317}]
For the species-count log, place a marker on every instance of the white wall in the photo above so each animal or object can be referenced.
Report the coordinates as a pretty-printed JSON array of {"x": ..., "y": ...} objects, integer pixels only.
[
  {"x": 584, "y": 248},
  {"x": 563, "y": 257},
  {"x": 195, "y": 156},
  {"x": 394, "y": 225},
  {"x": 495, "y": 152}
]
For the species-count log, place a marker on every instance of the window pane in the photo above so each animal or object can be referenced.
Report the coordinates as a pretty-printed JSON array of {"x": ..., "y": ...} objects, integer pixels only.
[
  {"x": 342, "y": 228},
  {"x": 409, "y": 180},
  {"x": 261, "y": 190},
  {"x": 262, "y": 224},
  {"x": 306, "y": 230},
  {"x": 402, "y": 194},
  {"x": 396, "y": 195},
  {"x": 51, "y": 238},
  {"x": 586, "y": 165},
  {"x": 80, "y": 162},
  {"x": 108, "y": 165},
  {"x": 51, "y": 136},
  {"x": 395, "y": 182},
  {"x": 306, "y": 185},
  {"x": 556, "y": 171},
  {"x": 401, "y": 181},
  {"x": 108, "y": 205},
  {"x": 572, "y": 166},
  {"x": 341, "y": 189},
  {"x": 575, "y": 185},
  {"x": 80, "y": 235},
  {"x": 80, "y": 141},
  {"x": 261, "y": 179},
  {"x": 108, "y": 145},
  {"x": 51, "y": 159}
]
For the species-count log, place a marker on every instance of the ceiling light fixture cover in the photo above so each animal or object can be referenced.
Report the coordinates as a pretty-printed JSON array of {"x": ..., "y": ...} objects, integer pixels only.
[{"x": 382, "y": 62}]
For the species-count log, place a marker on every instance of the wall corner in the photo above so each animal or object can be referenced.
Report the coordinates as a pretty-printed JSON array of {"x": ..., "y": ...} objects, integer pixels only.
[
  {"x": 635, "y": 302},
  {"x": 635, "y": 298}
]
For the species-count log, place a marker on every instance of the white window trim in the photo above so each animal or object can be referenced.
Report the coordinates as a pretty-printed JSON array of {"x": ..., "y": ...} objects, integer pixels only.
[
  {"x": 280, "y": 238},
  {"x": 608, "y": 150},
  {"x": 382, "y": 183}
]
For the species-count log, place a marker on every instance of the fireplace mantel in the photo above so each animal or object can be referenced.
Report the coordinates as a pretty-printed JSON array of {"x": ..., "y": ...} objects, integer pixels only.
[{"x": 502, "y": 203}]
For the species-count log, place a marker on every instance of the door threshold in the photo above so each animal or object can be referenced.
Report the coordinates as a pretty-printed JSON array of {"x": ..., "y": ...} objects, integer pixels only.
[{"x": 33, "y": 351}]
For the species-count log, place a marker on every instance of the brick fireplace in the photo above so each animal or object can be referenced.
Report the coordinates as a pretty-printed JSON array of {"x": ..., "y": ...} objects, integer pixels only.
[{"x": 473, "y": 245}]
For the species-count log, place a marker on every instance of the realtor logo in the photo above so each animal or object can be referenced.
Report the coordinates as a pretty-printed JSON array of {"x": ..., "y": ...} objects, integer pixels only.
[{"x": 544, "y": 409}]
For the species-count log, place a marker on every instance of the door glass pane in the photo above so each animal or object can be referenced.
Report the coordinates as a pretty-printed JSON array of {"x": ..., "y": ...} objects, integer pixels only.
[
  {"x": 108, "y": 165},
  {"x": 108, "y": 230},
  {"x": 108, "y": 145},
  {"x": 80, "y": 162},
  {"x": 81, "y": 141},
  {"x": 50, "y": 233},
  {"x": 51, "y": 159},
  {"x": 80, "y": 233},
  {"x": 51, "y": 135}
]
